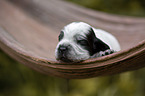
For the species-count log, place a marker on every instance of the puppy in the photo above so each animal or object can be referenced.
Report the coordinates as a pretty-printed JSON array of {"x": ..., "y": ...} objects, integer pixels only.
[{"x": 79, "y": 41}]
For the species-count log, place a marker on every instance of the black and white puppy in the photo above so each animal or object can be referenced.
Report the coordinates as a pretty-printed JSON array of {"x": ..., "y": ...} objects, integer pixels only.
[{"x": 79, "y": 41}]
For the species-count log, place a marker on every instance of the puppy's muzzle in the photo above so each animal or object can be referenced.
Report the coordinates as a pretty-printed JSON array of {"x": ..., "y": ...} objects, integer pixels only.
[
  {"x": 63, "y": 51},
  {"x": 63, "y": 48}
]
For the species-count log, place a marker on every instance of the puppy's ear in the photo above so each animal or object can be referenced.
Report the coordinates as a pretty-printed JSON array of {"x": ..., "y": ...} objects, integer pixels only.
[{"x": 97, "y": 44}]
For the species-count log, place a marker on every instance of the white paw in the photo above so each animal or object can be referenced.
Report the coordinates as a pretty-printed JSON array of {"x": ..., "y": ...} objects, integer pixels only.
[{"x": 103, "y": 53}]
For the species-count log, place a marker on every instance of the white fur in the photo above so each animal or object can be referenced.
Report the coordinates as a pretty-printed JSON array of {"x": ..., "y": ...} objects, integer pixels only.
[{"x": 77, "y": 53}]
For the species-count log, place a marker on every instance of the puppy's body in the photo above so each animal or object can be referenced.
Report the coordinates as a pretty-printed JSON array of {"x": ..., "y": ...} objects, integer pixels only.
[{"x": 79, "y": 41}]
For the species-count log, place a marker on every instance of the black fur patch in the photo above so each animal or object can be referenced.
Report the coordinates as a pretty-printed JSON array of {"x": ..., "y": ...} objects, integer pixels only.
[{"x": 95, "y": 44}]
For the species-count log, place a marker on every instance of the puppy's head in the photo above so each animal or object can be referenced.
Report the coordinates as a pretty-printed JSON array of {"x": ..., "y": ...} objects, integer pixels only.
[{"x": 77, "y": 42}]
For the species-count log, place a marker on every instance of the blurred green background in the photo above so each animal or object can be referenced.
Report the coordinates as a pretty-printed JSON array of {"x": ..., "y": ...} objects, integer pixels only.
[
  {"x": 121, "y": 7},
  {"x": 19, "y": 80}
]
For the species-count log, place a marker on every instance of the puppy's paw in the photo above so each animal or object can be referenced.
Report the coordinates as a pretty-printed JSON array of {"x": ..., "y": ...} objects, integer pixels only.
[
  {"x": 109, "y": 51},
  {"x": 103, "y": 53},
  {"x": 106, "y": 52}
]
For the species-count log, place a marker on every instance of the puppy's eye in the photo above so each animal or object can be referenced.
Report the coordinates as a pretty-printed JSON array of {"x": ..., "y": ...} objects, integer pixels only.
[
  {"x": 61, "y": 35},
  {"x": 83, "y": 42}
]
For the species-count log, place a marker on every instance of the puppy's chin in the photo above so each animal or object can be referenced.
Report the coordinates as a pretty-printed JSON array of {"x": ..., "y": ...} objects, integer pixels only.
[
  {"x": 70, "y": 58},
  {"x": 63, "y": 59},
  {"x": 66, "y": 60}
]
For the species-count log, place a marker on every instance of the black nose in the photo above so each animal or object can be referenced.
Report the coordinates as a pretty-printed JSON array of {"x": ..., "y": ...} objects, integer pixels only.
[{"x": 63, "y": 48}]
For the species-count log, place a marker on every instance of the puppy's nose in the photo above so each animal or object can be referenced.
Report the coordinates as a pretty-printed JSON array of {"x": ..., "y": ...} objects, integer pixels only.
[{"x": 63, "y": 48}]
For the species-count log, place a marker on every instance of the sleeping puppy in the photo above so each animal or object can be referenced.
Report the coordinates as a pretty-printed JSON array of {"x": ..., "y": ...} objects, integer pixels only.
[{"x": 79, "y": 41}]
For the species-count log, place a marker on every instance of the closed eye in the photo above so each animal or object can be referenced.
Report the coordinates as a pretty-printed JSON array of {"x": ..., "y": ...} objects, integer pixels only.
[
  {"x": 61, "y": 35},
  {"x": 83, "y": 42}
]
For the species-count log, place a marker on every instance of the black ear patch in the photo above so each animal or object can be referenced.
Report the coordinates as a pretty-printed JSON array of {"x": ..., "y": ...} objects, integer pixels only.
[
  {"x": 96, "y": 45},
  {"x": 99, "y": 45}
]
